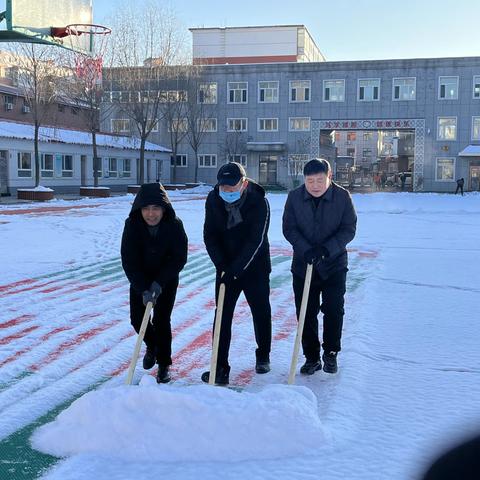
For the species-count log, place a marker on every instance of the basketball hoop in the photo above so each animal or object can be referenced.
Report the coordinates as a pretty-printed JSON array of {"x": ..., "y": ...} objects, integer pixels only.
[{"x": 89, "y": 41}]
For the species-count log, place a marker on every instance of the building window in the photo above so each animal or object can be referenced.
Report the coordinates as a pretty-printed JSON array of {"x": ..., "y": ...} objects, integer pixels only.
[
  {"x": 448, "y": 88},
  {"x": 242, "y": 159},
  {"x": 61, "y": 108},
  {"x": 296, "y": 162},
  {"x": 237, "y": 92},
  {"x": 350, "y": 152},
  {"x": 268, "y": 92},
  {"x": 334, "y": 90},
  {"x": 46, "y": 165},
  {"x": 445, "y": 171},
  {"x": 24, "y": 164},
  {"x": 367, "y": 152},
  {"x": 268, "y": 124},
  {"x": 351, "y": 136},
  {"x": 207, "y": 125},
  {"x": 207, "y": 161},
  {"x": 178, "y": 125},
  {"x": 300, "y": 91},
  {"x": 120, "y": 125},
  {"x": 125, "y": 167},
  {"x": 63, "y": 165},
  {"x": 180, "y": 162},
  {"x": 368, "y": 89},
  {"x": 237, "y": 124},
  {"x": 404, "y": 88},
  {"x": 367, "y": 135},
  {"x": 476, "y": 86},
  {"x": 112, "y": 167},
  {"x": 447, "y": 128},
  {"x": 207, "y": 93},
  {"x": 475, "y": 128},
  {"x": 299, "y": 124},
  {"x": 338, "y": 136}
]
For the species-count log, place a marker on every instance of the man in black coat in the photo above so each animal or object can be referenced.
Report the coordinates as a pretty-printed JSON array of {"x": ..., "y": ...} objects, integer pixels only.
[
  {"x": 154, "y": 251},
  {"x": 237, "y": 217},
  {"x": 319, "y": 221}
]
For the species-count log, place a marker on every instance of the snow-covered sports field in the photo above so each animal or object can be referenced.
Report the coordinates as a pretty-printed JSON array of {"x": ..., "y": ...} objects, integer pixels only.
[{"x": 409, "y": 373}]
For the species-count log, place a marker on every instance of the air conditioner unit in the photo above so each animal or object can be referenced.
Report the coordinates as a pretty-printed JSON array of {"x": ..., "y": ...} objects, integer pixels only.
[
  {"x": 9, "y": 106},
  {"x": 25, "y": 109}
]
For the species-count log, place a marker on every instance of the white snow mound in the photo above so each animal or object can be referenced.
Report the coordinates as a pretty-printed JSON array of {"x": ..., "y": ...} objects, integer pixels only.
[{"x": 190, "y": 423}]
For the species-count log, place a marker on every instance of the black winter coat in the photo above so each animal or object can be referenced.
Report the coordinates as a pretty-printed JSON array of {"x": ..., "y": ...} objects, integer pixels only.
[
  {"x": 160, "y": 258},
  {"x": 331, "y": 225},
  {"x": 245, "y": 247}
]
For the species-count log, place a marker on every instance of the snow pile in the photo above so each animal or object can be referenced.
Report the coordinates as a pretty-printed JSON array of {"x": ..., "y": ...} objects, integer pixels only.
[{"x": 193, "y": 423}]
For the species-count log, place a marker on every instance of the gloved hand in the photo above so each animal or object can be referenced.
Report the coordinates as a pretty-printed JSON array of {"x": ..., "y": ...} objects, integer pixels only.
[
  {"x": 152, "y": 294},
  {"x": 315, "y": 254},
  {"x": 156, "y": 289},
  {"x": 228, "y": 277}
]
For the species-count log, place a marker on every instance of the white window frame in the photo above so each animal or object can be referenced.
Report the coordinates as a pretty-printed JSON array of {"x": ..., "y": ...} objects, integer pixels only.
[
  {"x": 211, "y": 97},
  {"x": 182, "y": 164},
  {"x": 213, "y": 160},
  {"x": 440, "y": 87},
  {"x": 438, "y": 130},
  {"x": 291, "y": 120},
  {"x": 24, "y": 170},
  {"x": 112, "y": 173},
  {"x": 325, "y": 89},
  {"x": 112, "y": 129},
  {"x": 400, "y": 99},
  {"x": 237, "y": 119},
  {"x": 448, "y": 180},
  {"x": 245, "y": 89},
  {"x": 275, "y": 96},
  {"x": 155, "y": 126},
  {"x": 291, "y": 89},
  {"x": 264, "y": 120},
  {"x": 239, "y": 158},
  {"x": 473, "y": 87},
  {"x": 181, "y": 125},
  {"x": 473, "y": 128},
  {"x": 122, "y": 171},
  {"x": 201, "y": 128},
  {"x": 42, "y": 165},
  {"x": 379, "y": 80},
  {"x": 298, "y": 161}
]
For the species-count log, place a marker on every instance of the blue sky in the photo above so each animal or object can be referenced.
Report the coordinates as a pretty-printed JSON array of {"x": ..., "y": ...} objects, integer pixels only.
[{"x": 346, "y": 29}]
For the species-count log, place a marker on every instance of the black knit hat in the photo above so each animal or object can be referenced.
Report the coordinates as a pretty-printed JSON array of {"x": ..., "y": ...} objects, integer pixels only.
[{"x": 230, "y": 174}]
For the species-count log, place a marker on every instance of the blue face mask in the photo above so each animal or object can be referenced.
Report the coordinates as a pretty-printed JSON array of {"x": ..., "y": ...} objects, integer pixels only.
[{"x": 230, "y": 197}]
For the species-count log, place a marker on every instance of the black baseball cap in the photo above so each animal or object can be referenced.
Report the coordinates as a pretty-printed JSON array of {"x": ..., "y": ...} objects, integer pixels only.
[{"x": 230, "y": 174}]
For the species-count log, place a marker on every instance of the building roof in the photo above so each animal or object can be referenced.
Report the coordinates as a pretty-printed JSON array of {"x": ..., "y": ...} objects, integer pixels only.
[
  {"x": 77, "y": 137},
  {"x": 470, "y": 151}
]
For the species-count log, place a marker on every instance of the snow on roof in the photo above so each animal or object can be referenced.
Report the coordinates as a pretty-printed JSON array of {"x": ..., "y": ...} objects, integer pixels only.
[
  {"x": 77, "y": 137},
  {"x": 470, "y": 151}
]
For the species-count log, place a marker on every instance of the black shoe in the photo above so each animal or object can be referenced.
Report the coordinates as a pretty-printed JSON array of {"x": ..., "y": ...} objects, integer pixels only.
[
  {"x": 262, "y": 367},
  {"x": 150, "y": 358},
  {"x": 222, "y": 376},
  {"x": 163, "y": 374},
  {"x": 330, "y": 362},
  {"x": 310, "y": 367}
]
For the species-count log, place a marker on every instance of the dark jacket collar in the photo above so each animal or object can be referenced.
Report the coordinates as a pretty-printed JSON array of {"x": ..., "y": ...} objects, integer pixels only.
[{"x": 326, "y": 196}]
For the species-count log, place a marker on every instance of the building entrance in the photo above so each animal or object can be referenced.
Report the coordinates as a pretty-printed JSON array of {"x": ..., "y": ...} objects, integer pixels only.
[
  {"x": 474, "y": 183},
  {"x": 267, "y": 174},
  {"x": 3, "y": 172}
]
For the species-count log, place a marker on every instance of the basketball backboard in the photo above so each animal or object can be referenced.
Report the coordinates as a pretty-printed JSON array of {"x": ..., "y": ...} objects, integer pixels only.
[{"x": 32, "y": 21}]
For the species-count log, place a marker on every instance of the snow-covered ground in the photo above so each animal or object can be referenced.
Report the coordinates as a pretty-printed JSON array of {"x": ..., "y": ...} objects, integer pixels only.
[{"x": 408, "y": 383}]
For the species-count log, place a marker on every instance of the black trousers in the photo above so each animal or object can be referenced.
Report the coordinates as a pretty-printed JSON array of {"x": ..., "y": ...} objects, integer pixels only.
[
  {"x": 333, "y": 291},
  {"x": 256, "y": 288},
  {"x": 459, "y": 187},
  {"x": 160, "y": 333}
]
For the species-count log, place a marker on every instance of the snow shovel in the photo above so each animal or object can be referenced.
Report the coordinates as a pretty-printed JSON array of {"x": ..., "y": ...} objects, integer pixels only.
[
  {"x": 216, "y": 334},
  {"x": 141, "y": 334},
  {"x": 301, "y": 323}
]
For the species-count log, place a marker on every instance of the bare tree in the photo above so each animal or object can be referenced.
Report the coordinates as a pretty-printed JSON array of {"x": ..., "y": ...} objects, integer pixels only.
[
  {"x": 235, "y": 144},
  {"x": 146, "y": 40},
  {"x": 84, "y": 89},
  {"x": 38, "y": 77},
  {"x": 296, "y": 161},
  {"x": 200, "y": 111}
]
